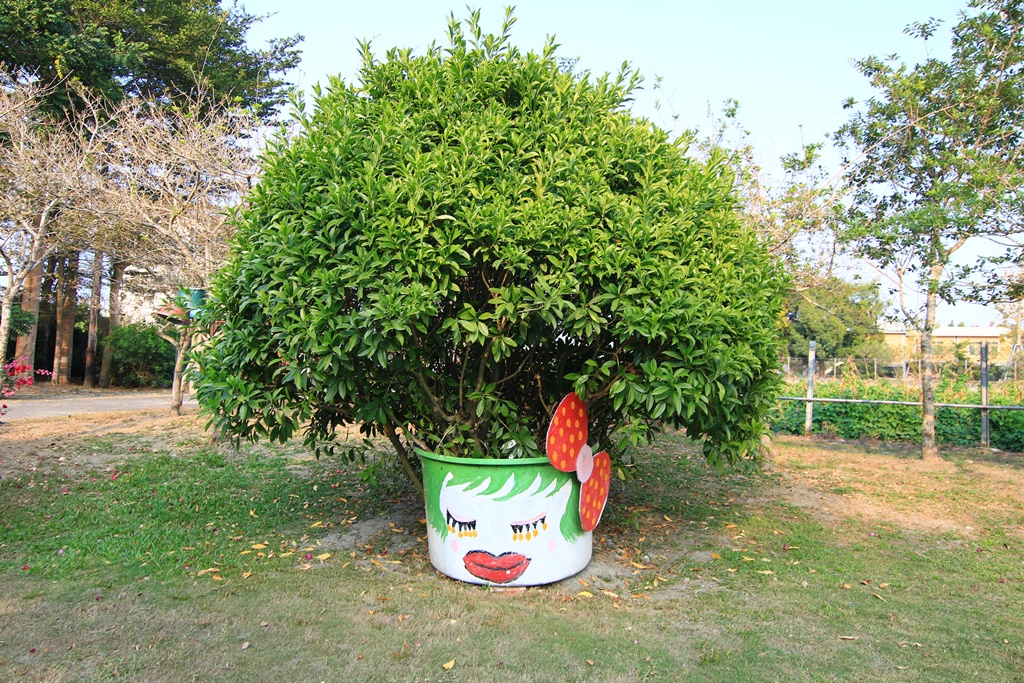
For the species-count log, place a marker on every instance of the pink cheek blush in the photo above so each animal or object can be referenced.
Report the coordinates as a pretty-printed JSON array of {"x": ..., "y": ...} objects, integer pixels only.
[
  {"x": 455, "y": 546},
  {"x": 552, "y": 546}
]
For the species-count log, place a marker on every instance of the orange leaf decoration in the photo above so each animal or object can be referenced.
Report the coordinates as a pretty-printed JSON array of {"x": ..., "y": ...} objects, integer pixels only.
[
  {"x": 594, "y": 493},
  {"x": 567, "y": 433}
]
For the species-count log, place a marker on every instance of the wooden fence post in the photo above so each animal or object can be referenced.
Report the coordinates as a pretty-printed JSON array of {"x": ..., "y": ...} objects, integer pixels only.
[
  {"x": 809, "y": 414},
  {"x": 984, "y": 396}
]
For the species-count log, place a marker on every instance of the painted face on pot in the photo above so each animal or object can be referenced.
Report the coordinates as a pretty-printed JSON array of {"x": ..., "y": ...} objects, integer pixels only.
[{"x": 508, "y": 532}]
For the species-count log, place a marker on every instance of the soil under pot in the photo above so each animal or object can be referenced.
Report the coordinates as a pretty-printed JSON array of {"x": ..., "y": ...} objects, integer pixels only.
[{"x": 503, "y": 522}]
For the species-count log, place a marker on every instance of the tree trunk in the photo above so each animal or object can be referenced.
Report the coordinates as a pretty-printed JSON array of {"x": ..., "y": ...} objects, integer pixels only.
[
  {"x": 67, "y": 303},
  {"x": 30, "y": 294},
  {"x": 47, "y": 311},
  {"x": 6, "y": 305},
  {"x": 60, "y": 271},
  {"x": 184, "y": 345},
  {"x": 929, "y": 448},
  {"x": 114, "y": 309},
  {"x": 94, "y": 320}
]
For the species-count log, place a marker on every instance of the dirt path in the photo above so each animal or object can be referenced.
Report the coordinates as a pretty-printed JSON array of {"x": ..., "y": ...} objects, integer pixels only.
[{"x": 50, "y": 404}]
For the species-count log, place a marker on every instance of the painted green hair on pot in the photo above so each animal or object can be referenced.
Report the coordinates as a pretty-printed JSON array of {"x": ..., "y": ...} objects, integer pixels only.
[{"x": 492, "y": 479}]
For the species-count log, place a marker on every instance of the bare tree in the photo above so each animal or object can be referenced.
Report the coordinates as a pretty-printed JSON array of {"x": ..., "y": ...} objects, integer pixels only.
[
  {"x": 795, "y": 216},
  {"x": 171, "y": 176},
  {"x": 43, "y": 164},
  {"x": 148, "y": 184}
]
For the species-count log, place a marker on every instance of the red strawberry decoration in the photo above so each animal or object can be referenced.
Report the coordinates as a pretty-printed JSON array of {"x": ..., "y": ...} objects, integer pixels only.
[
  {"x": 567, "y": 433},
  {"x": 568, "y": 451},
  {"x": 594, "y": 493}
]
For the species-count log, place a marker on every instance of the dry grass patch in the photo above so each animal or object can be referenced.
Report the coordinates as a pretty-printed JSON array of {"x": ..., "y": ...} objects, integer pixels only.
[{"x": 958, "y": 494}]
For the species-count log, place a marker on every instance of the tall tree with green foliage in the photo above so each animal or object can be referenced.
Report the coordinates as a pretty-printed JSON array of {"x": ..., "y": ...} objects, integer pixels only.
[
  {"x": 456, "y": 241},
  {"x": 840, "y": 315},
  {"x": 934, "y": 162},
  {"x": 156, "y": 49}
]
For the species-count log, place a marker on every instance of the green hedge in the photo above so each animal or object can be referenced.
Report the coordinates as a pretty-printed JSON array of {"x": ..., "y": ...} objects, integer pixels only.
[
  {"x": 140, "y": 357},
  {"x": 953, "y": 426}
]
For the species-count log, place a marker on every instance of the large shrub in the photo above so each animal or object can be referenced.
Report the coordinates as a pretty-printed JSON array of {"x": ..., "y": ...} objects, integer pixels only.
[
  {"x": 140, "y": 357},
  {"x": 453, "y": 243}
]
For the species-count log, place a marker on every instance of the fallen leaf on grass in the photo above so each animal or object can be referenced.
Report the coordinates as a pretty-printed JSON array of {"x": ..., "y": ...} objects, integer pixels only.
[
  {"x": 731, "y": 570},
  {"x": 245, "y": 552},
  {"x": 246, "y": 575},
  {"x": 883, "y": 585},
  {"x": 610, "y": 594},
  {"x": 766, "y": 572},
  {"x": 639, "y": 566},
  {"x": 849, "y": 637},
  {"x": 584, "y": 594},
  {"x": 252, "y": 513},
  {"x": 316, "y": 525},
  {"x": 715, "y": 556},
  {"x": 878, "y": 596},
  {"x": 323, "y": 556},
  {"x": 448, "y": 665},
  {"x": 245, "y": 645},
  {"x": 257, "y": 546},
  {"x": 264, "y": 624},
  {"x": 590, "y": 662}
]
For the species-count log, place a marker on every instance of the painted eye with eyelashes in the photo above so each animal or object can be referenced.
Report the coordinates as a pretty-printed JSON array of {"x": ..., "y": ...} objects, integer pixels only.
[
  {"x": 528, "y": 530},
  {"x": 465, "y": 528}
]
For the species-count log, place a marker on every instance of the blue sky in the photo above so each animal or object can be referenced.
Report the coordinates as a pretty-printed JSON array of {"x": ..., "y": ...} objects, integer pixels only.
[{"x": 788, "y": 62}]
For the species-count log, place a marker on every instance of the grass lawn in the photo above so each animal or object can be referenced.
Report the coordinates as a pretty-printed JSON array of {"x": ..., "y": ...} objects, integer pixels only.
[{"x": 131, "y": 548}]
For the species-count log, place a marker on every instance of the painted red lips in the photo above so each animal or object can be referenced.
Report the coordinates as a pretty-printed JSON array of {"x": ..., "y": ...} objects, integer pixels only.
[{"x": 496, "y": 568}]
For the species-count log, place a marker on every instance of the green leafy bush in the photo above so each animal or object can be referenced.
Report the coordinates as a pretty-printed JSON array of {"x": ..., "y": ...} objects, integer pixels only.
[
  {"x": 953, "y": 426},
  {"x": 453, "y": 243},
  {"x": 21, "y": 321},
  {"x": 140, "y": 357}
]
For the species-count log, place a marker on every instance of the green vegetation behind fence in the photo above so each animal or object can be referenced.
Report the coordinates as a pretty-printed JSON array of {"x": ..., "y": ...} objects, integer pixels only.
[{"x": 953, "y": 426}]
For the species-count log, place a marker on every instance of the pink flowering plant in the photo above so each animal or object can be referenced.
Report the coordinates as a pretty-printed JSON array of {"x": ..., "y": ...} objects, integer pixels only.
[{"x": 15, "y": 375}]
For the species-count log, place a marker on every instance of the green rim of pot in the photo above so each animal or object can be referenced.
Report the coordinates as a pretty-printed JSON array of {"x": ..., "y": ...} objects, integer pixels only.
[{"x": 485, "y": 462}]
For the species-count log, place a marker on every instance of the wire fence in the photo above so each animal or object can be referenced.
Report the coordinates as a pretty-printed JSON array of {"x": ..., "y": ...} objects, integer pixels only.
[
  {"x": 961, "y": 368},
  {"x": 910, "y": 371}
]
